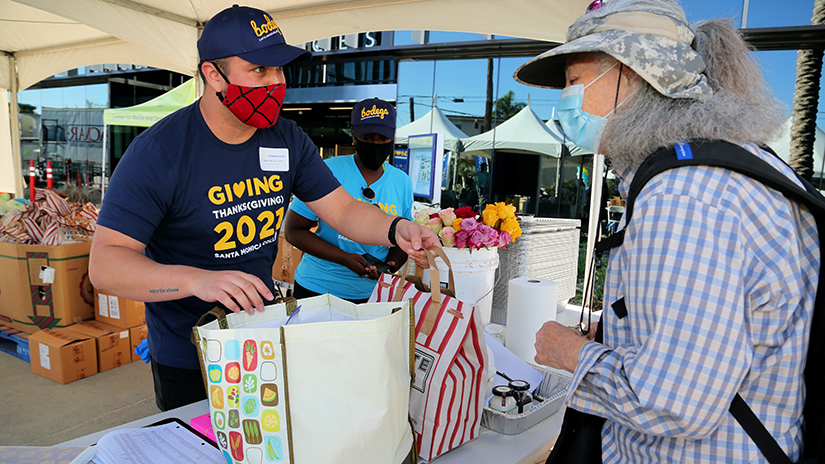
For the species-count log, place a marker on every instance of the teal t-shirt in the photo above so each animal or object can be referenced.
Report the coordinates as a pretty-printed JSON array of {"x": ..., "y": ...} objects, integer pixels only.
[{"x": 393, "y": 194}]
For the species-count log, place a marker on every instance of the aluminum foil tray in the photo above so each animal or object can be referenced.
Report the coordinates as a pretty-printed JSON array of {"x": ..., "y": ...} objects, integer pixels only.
[{"x": 553, "y": 388}]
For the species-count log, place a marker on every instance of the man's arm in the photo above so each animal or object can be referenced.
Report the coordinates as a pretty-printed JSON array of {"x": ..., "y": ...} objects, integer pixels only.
[
  {"x": 297, "y": 232},
  {"x": 117, "y": 265},
  {"x": 364, "y": 223}
]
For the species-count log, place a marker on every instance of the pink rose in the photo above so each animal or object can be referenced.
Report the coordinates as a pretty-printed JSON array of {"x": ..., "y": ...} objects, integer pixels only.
[
  {"x": 469, "y": 224},
  {"x": 476, "y": 239},
  {"x": 461, "y": 237},
  {"x": 490, "y": 236},
  {"x": 434, "y": 224},
  {"x": 447, "y": 235},
  {"x": 447, "y": 216},
  {"x": 504, "y": 238}
]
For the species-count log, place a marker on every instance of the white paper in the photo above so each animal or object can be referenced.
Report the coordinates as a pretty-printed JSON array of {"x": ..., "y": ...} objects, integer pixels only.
[
  {"x": 45, "y": 362},
  {"x": 530, "y": 303},
  {"x": 124, "y": 334},
  {"x": 512, "y": 366},
  {"x": 164, "y": 444},
  {"x": 47, "y": 274},
  {"x": 103, "y": 302},
  {"x": 274, "y": 159},
  {"x": 114, "y": 307},
  {"x": 327, "y": 314}
]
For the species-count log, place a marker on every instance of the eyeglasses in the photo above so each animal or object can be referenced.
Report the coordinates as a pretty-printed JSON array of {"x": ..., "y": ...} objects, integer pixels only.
[
  {"x": 368, "y": 193},
  {"x": 595, "y": 5}
]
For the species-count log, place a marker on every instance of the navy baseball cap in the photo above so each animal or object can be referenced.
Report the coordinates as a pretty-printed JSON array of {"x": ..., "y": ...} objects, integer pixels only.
[
  {"x": 249, "y": 33},
  {"x": 373, "y": 116}
]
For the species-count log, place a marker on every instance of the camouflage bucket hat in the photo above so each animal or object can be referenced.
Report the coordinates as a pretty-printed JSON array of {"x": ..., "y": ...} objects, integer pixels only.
[{"x": 655, "y": 46}]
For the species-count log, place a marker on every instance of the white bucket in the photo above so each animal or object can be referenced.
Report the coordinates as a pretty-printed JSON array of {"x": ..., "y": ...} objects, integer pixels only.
[{"x": 474, "y": 273}]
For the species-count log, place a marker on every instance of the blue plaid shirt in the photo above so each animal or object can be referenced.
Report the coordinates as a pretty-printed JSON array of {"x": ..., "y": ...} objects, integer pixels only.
[{"x": 719, "y": 275}]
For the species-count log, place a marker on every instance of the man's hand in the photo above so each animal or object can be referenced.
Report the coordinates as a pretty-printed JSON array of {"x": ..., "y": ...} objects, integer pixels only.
[
  {"x": 356, "y": 263},
  {"x": 558, "y": 346},
  {"x": 414, "y": 239},
  {"x": 234, "y": 289}
]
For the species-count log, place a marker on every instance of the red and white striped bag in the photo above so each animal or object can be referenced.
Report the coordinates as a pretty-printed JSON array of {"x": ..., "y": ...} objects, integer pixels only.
[{"x": 447, "y": 395}]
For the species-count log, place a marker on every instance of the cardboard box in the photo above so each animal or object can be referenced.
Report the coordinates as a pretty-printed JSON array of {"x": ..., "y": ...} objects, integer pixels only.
[
  {"x": 286, "y": 262},
  {"x": 62, "y": 355},
  {"x": 31, "y": 301},
  {"x": 117, "y": 311},
  {"x": 112, "y": 343},
  {"x": 137, "y": 335}
]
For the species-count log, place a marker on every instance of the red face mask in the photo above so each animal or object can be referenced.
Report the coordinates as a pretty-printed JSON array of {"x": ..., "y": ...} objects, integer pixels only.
[{"x": 254, "y": 106}]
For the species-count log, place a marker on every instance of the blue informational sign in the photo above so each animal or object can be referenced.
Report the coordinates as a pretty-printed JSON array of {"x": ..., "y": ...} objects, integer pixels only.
[
  {"x": 401, "y": 159},
  {"x": 479, "y": 160},
  {"x": 426, "y": 165},
  {"x": 445, "y": 178}
]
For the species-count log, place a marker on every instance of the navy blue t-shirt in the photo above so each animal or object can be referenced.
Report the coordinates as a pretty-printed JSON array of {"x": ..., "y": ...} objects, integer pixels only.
[{"x": 197, "y": 201}]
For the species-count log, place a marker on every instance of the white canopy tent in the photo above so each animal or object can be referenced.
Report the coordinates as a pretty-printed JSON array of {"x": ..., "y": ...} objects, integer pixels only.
[
  {"x": 782, "y": 147},
  {"x": 40, "y": 38},
  {"x": 430, "y": 123},
  {"x": 523, "y": 133},
  {"x": 146, "y": 114}
]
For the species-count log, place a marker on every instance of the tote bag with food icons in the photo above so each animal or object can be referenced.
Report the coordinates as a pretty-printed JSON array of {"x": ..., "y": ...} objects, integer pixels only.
[
  {"x": 447, "y": 395},
  {"x": 317, "y": 380}
]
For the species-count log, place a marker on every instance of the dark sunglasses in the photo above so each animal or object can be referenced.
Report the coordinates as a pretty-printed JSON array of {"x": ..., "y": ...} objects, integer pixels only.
[
  {"x": 368, "y": 193},
  {"x": 595, "y": 5}
]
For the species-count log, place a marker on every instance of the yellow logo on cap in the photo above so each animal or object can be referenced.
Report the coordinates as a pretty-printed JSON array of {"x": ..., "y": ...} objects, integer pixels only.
[
  {"x": 268, "y": 26},
  {"x": 375, "y": 111}
]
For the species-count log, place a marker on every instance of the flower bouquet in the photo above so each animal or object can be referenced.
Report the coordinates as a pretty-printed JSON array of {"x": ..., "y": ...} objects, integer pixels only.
[{"x": 495, "y": 227}]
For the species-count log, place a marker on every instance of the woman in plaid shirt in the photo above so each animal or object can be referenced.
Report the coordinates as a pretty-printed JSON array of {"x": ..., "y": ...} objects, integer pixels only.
[{"x": 718, "y": 272}]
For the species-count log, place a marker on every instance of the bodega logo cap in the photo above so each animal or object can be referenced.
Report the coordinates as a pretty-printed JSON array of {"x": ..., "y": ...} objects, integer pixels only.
[
  {"x": 373, "y": 116},
  {"x": 249, "y": 33}
]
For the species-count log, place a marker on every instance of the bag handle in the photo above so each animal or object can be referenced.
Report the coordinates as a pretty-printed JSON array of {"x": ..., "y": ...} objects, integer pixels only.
[
  {"x": 451, "y": 282},
  {"x": 195, "y": 338},
  {"x": 399, "y": 288},
  {"x": 435, "y": 290},
  {"x": 219, "y": 314},
  {"x": 418, "y": 278}
]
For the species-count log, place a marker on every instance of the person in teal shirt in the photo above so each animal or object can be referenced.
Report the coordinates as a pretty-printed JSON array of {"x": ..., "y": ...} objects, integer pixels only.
[{"x": 333, "y": 263}]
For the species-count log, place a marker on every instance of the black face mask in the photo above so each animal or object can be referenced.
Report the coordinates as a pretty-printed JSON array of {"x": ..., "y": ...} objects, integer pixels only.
[{"x": 373, "y": 155}]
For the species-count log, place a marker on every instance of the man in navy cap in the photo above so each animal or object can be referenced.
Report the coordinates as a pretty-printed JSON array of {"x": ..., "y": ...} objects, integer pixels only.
[
  {"x": 332, "y": 263},
  {"x": 192, "y": 214}
]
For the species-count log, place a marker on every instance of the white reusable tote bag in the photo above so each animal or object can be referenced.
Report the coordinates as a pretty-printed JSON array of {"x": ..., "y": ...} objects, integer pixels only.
[{"x": 329, "y": 385}]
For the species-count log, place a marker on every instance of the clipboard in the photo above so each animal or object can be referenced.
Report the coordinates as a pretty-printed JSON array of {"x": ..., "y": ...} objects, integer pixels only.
[{"x": 175, "y": 420}]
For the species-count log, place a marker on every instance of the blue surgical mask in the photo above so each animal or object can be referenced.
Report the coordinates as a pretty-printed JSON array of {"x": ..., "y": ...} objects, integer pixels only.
[{"x": 583, "y": 129}]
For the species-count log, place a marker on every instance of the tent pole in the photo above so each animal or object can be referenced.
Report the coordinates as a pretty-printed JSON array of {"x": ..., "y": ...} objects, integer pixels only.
[
  {"x": 596, "y": 180},
  {"x": 103, "y": 166},
  {"x": 14, "y": 117},
  {"x": 537, "y": 198}
]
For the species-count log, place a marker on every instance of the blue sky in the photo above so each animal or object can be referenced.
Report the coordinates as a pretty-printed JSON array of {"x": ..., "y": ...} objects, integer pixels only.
[{"x": 452, "y": 81}]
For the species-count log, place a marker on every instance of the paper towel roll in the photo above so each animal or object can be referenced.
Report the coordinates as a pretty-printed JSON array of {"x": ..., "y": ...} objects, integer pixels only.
[{"x": 530, "y": 303}]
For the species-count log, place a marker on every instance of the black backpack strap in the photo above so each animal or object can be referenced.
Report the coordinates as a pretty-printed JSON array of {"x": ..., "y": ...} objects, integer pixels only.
[
  {"x": 724, "y": 155},
  {"x": 730, "y": 156},
  {"x": 757, "y": 431}
]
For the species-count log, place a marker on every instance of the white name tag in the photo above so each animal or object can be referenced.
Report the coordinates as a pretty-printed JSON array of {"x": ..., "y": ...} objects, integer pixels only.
[{"x": 274, "y": 159}]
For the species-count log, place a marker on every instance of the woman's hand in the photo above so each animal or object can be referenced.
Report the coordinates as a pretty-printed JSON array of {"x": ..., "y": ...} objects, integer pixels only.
[{"x": 558, "y": 346}]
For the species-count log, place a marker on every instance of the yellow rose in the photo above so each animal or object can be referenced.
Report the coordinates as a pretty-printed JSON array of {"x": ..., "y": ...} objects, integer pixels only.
[
  {"x": 456, "y": 224},
  {"x": 490, "y": 216},
  {"x": 505, "y": 211},
  {"x": 511, "y": 227}
]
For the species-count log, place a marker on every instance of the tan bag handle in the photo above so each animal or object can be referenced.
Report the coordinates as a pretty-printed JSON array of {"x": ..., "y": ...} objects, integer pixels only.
[
  {"x": 418, "y": 278},
  {"x": 220, "y": 314},
  {"x": 435, "y": 290}
]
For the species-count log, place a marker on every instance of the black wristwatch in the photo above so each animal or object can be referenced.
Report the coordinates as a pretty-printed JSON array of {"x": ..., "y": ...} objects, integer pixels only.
[{"x": 391, "y": 232}]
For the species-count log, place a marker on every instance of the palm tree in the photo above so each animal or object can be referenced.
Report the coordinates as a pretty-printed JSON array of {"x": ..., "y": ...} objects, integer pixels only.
[
  {"x": 506, "y": 108},
  {"x": 805, "y": 100}
]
